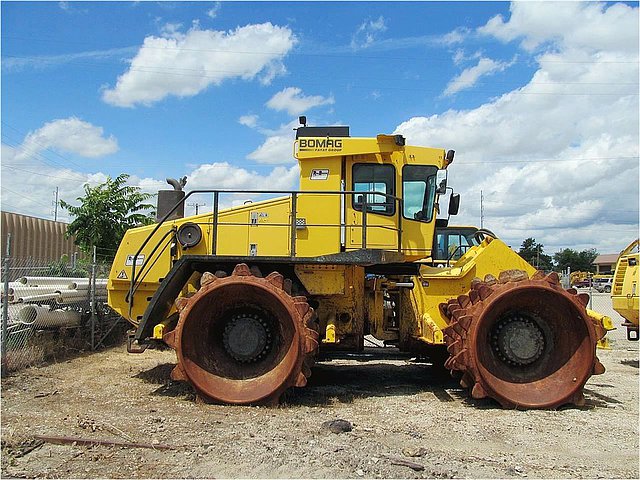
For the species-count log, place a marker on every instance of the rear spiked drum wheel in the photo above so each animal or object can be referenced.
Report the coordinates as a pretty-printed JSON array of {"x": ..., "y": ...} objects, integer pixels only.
[{"x": 242, "y": 338}]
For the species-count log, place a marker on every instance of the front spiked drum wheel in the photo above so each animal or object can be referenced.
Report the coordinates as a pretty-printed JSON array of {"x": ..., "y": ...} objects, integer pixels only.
[{"x": 527, "y": 343}]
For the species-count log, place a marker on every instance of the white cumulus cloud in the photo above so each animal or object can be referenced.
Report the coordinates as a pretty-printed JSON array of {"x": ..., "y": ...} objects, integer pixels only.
[
  {"x": 587, "y": 25},
  {"x": 295, "y": 102},
  {"x": 223, "y": 175},
  {"x": 456, "y": 36},
  {"x": 556, "y": 159},
  {"x": 471, "y": 75},
  {"x": 277, "y": 147},
  {"x": 69, "y": 135},
  {"x": 185, "y": 64}
]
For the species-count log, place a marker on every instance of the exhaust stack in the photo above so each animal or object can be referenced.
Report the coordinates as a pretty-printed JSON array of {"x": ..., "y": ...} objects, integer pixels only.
[{"x": 167, "y": 199}]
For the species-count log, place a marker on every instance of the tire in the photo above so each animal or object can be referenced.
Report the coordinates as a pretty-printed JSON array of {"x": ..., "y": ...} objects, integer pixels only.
[
  {"x": 527, "y": 343},
  {"x": 243, "y": 339}
]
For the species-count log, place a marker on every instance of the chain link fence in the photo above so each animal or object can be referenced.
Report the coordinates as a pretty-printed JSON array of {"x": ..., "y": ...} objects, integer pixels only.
[
  {"x": 601, "y": 303},
  {"x": 51, "y": 309}
]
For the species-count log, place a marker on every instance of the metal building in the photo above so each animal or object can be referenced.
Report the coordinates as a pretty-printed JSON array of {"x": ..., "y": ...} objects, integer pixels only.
[{"x": 36, "y": 238}]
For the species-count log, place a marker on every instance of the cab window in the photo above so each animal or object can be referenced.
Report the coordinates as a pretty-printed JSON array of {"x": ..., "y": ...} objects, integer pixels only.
[
  {"x": 458, "y": 246},
  {"x": 441, "y": 247},
  {"x": 452, "y": 243},
  {"x": 374, "y": 178},
  {"x": 418, "y": 191}
]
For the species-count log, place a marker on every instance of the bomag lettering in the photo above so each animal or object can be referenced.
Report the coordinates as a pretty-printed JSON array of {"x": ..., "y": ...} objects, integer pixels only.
[{"x": 320, "y": 143}]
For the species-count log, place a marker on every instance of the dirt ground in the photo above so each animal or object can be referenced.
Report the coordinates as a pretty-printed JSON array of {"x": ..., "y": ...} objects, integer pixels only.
[{"x": 398, "y": 410}]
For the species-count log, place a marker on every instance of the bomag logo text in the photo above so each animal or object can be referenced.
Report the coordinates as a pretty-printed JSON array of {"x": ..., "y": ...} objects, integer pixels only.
[{"x": 321, "y": 144}]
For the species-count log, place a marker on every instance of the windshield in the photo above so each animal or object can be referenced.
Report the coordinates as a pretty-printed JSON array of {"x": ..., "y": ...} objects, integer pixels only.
[{"x": 418, "y": 192}]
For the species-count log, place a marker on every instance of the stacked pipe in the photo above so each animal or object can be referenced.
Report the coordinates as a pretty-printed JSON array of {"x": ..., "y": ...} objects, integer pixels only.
[
  {"x": 63, "y": 291},
  {"x": 57, "y": 291}
]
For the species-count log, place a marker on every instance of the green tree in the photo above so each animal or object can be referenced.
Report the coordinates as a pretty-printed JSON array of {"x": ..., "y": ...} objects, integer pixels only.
[
  {"x": 105, "y": 213},
  {"x": 577, "y": 261},
  {"x": 533, "y": 252}
]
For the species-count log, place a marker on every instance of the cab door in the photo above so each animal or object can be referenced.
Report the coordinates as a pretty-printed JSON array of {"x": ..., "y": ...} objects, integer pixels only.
[
  {"x": 418, "y": 184},
  {"x": 368, "y": 173}
]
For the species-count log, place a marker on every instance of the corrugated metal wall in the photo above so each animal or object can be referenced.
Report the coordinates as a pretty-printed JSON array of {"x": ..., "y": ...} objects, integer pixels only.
[{"x": 36, "y": 238}]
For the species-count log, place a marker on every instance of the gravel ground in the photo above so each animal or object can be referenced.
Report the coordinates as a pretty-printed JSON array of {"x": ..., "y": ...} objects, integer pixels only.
[{"x": 399, "y": 412}]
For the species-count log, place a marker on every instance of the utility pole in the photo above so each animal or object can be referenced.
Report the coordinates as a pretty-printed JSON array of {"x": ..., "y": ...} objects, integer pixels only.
[
  {"x": 55, "y": 205},
  {"x": 481, "y": 210},
  {"x": 196, "y": 204}
]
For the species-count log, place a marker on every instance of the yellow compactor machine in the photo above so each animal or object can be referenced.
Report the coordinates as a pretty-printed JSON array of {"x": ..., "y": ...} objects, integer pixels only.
[
  {"x": 624, "y": 293},
  {"x": 247, "y": 296}
]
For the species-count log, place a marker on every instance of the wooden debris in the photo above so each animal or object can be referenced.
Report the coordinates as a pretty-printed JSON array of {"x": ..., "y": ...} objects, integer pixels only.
[
  {"x": 405, "y": 463},
  {"x": 90, "y": 442}
]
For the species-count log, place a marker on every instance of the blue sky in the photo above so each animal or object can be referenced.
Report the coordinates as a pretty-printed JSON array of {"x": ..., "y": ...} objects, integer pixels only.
[{"x": 540, "y": 100}]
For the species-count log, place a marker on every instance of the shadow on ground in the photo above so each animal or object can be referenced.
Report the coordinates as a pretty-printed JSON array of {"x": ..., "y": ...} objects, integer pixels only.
[
  {"x": 332, "y": 382},
  {"x": 160, "y": 375},
  {"x": 631, "y": 363}
]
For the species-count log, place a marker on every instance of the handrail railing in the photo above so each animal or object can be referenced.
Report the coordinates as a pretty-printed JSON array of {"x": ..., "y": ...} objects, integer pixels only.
[
  {"x": 153, "y": 251},
  {"x": 365, "y": 209}
]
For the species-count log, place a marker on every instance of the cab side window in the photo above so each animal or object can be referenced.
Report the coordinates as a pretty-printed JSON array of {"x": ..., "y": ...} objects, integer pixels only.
[
  {"x": 458, "y": 245},
  {"x": 418, "y": 192},
  {"x": 441, "y": 247},
  {"x": 374, "y": 178}
]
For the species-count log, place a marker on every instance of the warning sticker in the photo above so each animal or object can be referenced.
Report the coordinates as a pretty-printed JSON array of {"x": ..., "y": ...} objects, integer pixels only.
[
  {"x": 122, "y": 275},
  {"x": 139, "y": 261},
  {"x": 319, "y": 174}
]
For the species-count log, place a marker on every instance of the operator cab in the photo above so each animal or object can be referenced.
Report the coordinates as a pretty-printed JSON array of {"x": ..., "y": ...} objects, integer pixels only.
[
  {"x": 391, "y": 190},
  {"x": 451, "y": 243}
]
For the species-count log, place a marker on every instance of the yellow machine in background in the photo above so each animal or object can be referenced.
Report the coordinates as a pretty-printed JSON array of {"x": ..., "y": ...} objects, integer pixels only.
[
  {"x": 247, "y": 296},
  {"x": 624, "y": 294},
  {"x": 577, "y": 277}
]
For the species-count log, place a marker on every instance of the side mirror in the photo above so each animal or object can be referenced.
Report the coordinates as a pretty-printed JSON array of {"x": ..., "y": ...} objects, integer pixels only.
[
  {"x": 441, "y": 181},
  {"x": 450, "y": 155},
  {"x": 454, "y": 203}
]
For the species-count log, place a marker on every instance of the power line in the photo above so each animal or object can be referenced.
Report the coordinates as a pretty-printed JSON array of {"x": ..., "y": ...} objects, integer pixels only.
[
  {"x": 5, "y": 204},
  {"x": 163, "y": 71},
  {"x": 170, "y": 70},
  {"x": 24, "y": 196},
  {"x": 549, "y": 160},
  {"x": 59, "y": 177},
  {"x": 44, "y": 147},
  {"x": 351, "y": 55},
  {"x": 38, "y": 155}
]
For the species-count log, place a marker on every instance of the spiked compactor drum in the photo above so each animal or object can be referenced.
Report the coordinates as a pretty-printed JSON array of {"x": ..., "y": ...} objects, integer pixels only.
[
  {"x": 243, "y": 339},
  {"x": 526, "y": 343}
]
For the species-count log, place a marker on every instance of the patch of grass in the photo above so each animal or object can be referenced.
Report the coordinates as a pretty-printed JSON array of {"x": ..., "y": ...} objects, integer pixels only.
[{"x": 36, "y": 348}]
